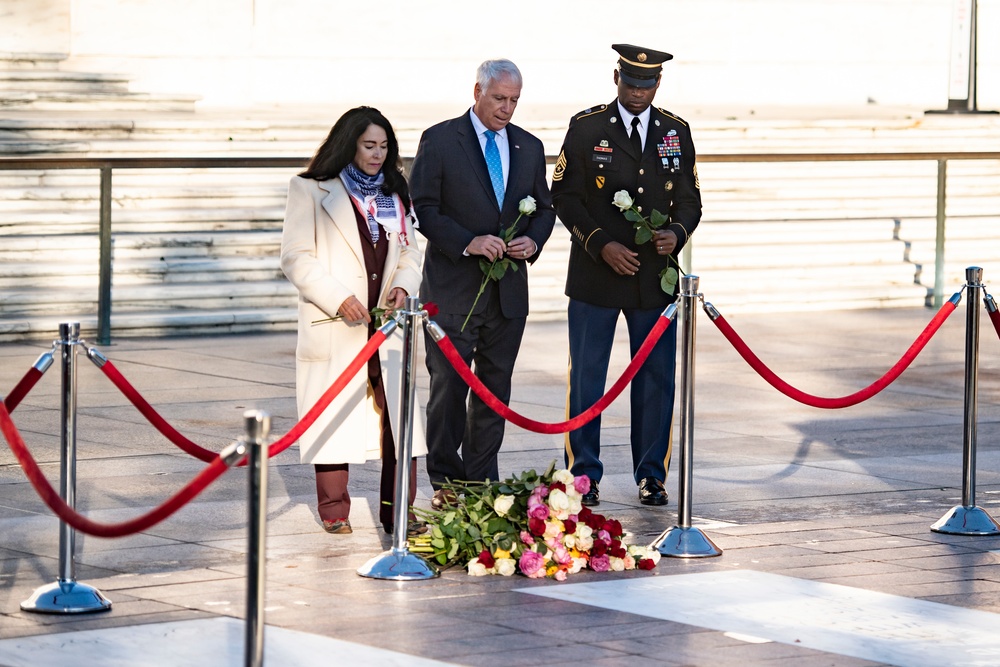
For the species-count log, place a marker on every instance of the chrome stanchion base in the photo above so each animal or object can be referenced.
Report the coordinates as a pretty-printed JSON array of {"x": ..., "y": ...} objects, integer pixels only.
[
  {"x": 399, "y": 565},
  {"x": 962, "y": 520},
  {"x": 688, "y": 542},
  {"x": 66, "y": 597}
]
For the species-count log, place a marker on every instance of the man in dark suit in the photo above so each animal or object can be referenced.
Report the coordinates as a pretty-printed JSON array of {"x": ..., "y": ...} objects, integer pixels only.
[
  {"x": 626, "y": 145},
  {"x": 467, "y": 180}
]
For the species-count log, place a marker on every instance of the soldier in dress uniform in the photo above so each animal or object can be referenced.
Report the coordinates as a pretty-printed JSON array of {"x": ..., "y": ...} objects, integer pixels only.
[{"x": 648, "y": 152}]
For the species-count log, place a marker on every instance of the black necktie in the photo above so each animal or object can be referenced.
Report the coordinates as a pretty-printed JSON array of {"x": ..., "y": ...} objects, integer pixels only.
[{"x": 636, "y": 139}]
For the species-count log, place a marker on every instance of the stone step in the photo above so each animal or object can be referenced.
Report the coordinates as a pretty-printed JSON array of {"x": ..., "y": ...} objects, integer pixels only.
[
  {"x": 156, "y": 323},
  {"x": 132, "y": 298},
  {"x": 37, "y": 79},
  {"x": 61, "y": 100}
]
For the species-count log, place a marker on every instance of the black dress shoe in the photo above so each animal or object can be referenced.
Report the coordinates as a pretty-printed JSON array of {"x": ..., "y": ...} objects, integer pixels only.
[
  {"x": 591, "y": 498},
  {"x": 651, "y": 492}
]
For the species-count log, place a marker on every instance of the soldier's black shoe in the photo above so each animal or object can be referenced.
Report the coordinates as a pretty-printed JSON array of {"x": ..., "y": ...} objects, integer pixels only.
[
  {"x": 591, "y": 498},
  {"x": 651, "y": 492}
]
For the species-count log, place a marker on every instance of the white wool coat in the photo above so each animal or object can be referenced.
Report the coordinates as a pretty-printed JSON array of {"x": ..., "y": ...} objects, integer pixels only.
[{"x": 321, "y": 254}]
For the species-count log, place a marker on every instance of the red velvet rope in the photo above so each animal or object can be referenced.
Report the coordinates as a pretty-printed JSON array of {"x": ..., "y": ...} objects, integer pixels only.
[
  {"x": 817, "y": 401},
  {"x": 216, "y": 465},
  {"x": 51, "y": 498},
  {"x": 154, "y": 418},
  {"x": 17, "y": 394},
  {"x": 276, "y": 447},
  {"x": 995, "y": 318},
  {"x": 495, "y": 404}
]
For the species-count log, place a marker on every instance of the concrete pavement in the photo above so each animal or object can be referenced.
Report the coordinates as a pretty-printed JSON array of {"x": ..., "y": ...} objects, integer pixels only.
[{"x": 841, "y": 500}]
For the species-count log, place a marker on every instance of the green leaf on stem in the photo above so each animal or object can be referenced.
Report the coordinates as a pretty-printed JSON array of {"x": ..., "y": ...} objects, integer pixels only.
[
  {"x": 657, "y": 219},
  {"x": 643, "y": 235},
  {"x": 633, "y": 216},
  {"x": 668, "y": 279}
]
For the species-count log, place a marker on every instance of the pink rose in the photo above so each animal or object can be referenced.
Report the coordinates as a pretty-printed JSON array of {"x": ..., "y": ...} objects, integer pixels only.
[
  {"x": 600, "y": 563},
  {"x": 540, "y": 511},
  {"x": 526, "y": 538},
  {"x": 562, "y": 556},
  {"x": 532, "y": 564},
  {"x": 560, "y": 575},
  {"x": 581, "y": 484}
]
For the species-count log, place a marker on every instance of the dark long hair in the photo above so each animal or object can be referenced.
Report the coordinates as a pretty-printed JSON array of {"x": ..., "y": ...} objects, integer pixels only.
[{"x": 341, "y": 145}]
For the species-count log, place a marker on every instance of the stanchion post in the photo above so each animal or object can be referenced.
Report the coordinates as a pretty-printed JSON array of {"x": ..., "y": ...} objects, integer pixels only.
[
  {"x": 967, "y": 518},
  {"x": 398, "y": 563},
  {"x": 66, "y": 595},
  {"x": 683, "y": 540},
  {"x": 258, "y": 425}
]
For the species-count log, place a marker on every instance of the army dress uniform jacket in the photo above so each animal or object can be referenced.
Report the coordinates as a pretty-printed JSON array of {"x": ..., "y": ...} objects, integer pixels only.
[{"x": 597, "y": 160}]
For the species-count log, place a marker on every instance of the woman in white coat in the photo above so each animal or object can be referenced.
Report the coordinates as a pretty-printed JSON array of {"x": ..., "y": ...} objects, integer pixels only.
[{"x": 349, "y": 247}]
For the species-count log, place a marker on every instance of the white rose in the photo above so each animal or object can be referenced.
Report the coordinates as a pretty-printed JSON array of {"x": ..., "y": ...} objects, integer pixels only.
[
  {"x": 505, "y": 566},
  {"x": 477, "y": 569},
  {"x": 639, "y": 551},
  {"x": 584, "y": 537},
  {"x": 617, "y": 564},
  {"x": 622, "y": 200},
  {"x": 559, "y": 503},
  {"x": 503, "y": 504},
  {"x": 578, "y": 564},
  {"x": 527, "y": 205},
  {"x": 564, "y": 476}
]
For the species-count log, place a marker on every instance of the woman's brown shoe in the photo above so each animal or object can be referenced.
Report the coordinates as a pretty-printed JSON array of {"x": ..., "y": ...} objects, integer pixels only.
[{"x": 338, "y": 527}]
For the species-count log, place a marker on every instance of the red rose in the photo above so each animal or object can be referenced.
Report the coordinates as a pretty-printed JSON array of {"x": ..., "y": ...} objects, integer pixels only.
[
  {"x": 645, "y": 564},
  {"x": 599, "y": 549},
  {"x": 536, "y": 527},
  {"x": 431, "y": 309},
  {"x": 616, "y": 550},
  {"x": 614, "y": 528},
  {"x": 569, "y": 526},
  {"x": 486, "y": 559},
  {"x": 584, "y": 514},
  {"x": 557, "y": 485},
  {"x": 595, "y": 521}
]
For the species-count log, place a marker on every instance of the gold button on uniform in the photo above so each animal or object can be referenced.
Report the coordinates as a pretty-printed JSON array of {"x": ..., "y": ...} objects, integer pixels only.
[
  {"x": 640, "y": 190},
  {"x": 642, "y": 171},
  {"x": 374, "y": 276}
]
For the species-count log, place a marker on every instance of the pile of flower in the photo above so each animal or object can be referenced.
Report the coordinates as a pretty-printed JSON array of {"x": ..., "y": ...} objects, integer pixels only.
[{"x": 533, "y": 524}]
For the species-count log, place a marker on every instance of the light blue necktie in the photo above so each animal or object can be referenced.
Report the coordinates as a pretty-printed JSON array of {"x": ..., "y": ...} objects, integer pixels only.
[{"x": 494, "y": 165}]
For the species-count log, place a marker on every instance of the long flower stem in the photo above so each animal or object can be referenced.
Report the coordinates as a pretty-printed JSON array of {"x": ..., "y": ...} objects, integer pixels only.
[{"x": 482, "y": 288}]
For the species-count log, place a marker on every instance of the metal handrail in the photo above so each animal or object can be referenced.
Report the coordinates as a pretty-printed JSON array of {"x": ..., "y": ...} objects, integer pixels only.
[{"x": 106, "y": 166}]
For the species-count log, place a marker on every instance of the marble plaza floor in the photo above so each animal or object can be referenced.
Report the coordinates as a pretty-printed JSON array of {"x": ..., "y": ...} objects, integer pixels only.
[{"x": 822, "y": 516}]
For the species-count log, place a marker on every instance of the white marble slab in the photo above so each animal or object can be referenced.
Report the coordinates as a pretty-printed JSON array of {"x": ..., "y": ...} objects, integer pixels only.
[
  {"x": 215, "y": 642},
  {"x": 826, "y": 617}
]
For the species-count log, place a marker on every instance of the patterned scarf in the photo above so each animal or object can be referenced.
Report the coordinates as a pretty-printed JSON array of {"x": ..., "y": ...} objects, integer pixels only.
[{"x": 366, "y": 191}]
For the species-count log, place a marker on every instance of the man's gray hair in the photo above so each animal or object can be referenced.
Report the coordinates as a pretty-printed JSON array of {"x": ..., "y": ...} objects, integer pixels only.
[{"x": 492, "y": 71}]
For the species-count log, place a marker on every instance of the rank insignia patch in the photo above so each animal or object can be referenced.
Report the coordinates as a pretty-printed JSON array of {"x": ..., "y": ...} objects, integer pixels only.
[{"x": 560, "y": 169}]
